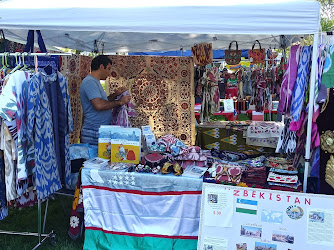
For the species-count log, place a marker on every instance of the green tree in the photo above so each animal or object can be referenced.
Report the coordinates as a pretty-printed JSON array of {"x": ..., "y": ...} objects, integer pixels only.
[{"x": 327, "y": 14}]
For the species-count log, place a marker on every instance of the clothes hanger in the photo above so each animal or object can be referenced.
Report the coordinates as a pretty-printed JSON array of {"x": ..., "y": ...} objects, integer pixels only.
[
  {"x": 23, "y": 61},
  {"x": 18, "y": 64},
  {"x": 4, "y": 61},
  {"x": 300, "y": 40}
]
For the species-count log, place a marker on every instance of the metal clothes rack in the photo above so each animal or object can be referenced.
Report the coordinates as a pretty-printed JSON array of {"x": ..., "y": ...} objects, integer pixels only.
[{"x": 39, "y": 234}]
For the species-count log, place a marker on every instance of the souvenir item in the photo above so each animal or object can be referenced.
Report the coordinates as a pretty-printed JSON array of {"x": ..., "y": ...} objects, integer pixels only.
[
  {"x": 167, "y": 168},
  {"x": 257, "y": 55},
  {"x": 177, "y": 169},
  {"x": 327, "y": 141},
  {"x": 329, "y": 176},
  {"x": 291, "y": 179},
  {"x": 228, "y": 173},
  {"x": 233, "y": 57},
  {"x": 153, "y": 160}
]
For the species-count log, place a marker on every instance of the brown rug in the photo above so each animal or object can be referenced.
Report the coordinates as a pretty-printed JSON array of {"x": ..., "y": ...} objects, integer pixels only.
[{"x": 162, "y": 90}]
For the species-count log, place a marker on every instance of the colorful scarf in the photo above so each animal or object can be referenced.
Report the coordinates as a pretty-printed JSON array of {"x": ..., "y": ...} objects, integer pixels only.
[
  {"x": 289, "y": 79},
  {"x": 299, "y": 89}
]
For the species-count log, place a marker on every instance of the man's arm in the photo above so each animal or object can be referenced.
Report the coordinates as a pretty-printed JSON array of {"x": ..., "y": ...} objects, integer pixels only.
[{"x": 100, "y": 104}]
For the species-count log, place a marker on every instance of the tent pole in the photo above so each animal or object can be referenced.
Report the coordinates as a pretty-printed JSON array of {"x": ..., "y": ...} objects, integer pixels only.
[{"x": 310, "y": 110}]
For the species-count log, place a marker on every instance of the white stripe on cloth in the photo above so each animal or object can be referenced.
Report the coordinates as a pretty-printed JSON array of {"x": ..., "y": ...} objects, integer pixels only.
[{"x": 172, "y": 215}]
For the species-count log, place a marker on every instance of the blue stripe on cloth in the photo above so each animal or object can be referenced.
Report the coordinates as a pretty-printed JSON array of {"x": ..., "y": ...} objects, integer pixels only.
[{"x": 248, "y": 202}]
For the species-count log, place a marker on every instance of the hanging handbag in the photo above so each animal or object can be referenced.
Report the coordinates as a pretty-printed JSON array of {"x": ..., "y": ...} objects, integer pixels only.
[
  {"x": 233, "y": 57},
  {"x": 257, "y": 55},
  {"x": 3, "y": 42}
]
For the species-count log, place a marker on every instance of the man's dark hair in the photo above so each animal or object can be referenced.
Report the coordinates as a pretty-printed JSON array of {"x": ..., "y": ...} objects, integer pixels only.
[{"x": 97, "y": 61}]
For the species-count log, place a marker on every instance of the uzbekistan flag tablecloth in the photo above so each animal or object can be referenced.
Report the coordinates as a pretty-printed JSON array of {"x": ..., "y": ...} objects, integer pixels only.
[{"x": 140, "y": 211}]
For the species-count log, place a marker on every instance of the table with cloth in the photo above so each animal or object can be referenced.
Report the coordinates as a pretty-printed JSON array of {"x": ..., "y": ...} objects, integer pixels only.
[
  {"x": 222, "y": 136},
  {"x": 127, "y": 210}
]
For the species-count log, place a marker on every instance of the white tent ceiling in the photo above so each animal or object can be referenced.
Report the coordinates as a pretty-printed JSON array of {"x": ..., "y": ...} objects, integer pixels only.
[{"x": 154, "y": 26}]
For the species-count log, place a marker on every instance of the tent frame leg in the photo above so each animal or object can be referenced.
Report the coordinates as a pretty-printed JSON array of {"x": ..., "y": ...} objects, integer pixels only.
[{"x": 39, "y": 234}]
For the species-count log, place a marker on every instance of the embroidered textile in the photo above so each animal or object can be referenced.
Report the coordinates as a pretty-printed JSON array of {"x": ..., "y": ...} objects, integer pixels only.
[
  {"x": 162, "y": 92},
  {"x": 75, "y": 68},
  {"x": 270, "y": 142},
  {"x": 77, "y": 214},
  {"x": 290, "y": 179},
  {"x": 261, "y": 129}
]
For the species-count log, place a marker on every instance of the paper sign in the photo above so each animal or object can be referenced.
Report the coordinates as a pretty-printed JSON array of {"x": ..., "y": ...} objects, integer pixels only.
[{"x": 220, "y": 208}]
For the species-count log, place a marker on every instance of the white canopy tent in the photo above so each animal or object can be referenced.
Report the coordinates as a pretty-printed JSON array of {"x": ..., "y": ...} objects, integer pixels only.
[
  {"x": 152, "y": 26},
  {"x": 136, "y": 26}
]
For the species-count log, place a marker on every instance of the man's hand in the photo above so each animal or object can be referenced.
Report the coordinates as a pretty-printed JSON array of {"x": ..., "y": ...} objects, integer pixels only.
[
  {"x": 120, "y": 90},
  {"x": 125, "y": 99}
]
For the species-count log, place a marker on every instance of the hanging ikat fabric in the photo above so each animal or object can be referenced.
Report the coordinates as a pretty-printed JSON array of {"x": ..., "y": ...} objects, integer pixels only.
[
  {"x": 162, "y": 92},
  {"x": 289, "y": 80},
  {"x": 202, "y": 54},
  {"x": 299, "y": 90}
]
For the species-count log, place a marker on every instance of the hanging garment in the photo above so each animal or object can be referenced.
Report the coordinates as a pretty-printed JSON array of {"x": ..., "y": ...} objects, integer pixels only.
[
  {"x": 59, "y": 99},
  {"x": 299, "y": 89},
  {"x": 288, "y": 139},
  {"x": 40, "y": 130},
  {"x": 10, "y": 166},
  {"x": 14, "y": 104},
  {"x": 247, "y": 86},
  {"x": 289, "y": 80},
  {"x": 322, "y": 52},
  {"x": 328, "y": 71},
  {"x": 3, "y": 202},
  {"x": 211, "y": 95}
]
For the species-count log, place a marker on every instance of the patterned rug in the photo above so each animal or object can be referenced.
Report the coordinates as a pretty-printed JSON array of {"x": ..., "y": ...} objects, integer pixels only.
[
  {"x": 75, "y": 68},
  {"x": 162, "y": 91}
]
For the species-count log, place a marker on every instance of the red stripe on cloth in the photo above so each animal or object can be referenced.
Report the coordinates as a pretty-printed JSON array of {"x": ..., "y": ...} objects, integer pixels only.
[
  {"x": 142, "y": 192},
  {"x": 143, "y": 235}
]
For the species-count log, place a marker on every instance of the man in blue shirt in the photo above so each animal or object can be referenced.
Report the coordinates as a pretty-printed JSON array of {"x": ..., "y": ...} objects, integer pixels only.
[{"x": 96, "y": 105}]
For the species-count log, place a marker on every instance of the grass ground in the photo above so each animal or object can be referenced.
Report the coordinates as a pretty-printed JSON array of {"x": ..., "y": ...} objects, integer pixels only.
[{"x": 59, "y": 212}]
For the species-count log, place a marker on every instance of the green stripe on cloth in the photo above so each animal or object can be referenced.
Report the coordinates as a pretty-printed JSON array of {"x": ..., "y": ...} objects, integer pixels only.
[
  {"x": 245, "y": 211},
  {"x": 95, "y": 239}
]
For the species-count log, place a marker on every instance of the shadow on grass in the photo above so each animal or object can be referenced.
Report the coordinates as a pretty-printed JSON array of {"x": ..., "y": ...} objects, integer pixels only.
[{"x": 25, "y": 220}]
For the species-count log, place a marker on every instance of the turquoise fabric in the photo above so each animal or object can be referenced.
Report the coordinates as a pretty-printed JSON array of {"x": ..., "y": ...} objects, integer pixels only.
[{"x": 95, "y": 239}]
